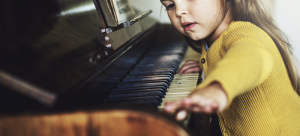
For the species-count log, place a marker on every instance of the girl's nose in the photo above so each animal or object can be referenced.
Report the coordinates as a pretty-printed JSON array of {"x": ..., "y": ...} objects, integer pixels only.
[{"x": 180, "y": 10}]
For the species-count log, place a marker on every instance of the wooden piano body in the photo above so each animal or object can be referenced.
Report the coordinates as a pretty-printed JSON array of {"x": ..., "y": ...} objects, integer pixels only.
[{"x": 53, "y": 56}]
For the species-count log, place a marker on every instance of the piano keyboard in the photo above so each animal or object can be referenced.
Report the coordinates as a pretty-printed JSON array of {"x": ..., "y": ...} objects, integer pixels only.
[
  {"x": 182, "y": 84},
  {"x": 152, "y": 81}
]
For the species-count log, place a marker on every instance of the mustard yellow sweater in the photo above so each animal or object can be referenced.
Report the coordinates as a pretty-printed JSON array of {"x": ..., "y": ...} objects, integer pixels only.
[{"x": 247, "y": 63}]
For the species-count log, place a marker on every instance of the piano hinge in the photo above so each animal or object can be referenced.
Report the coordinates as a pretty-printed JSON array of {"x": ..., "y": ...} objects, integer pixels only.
[{"x": 107, "y": 43}]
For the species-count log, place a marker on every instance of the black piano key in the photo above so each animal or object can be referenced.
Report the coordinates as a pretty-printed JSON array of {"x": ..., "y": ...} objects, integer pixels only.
[
  {"x": 154, "y": 69},
  {"x": 174, "y": 50},
  {"x": 144, "y": 87},
  {"x": 168, "y": 82},
  {"x": 132, "y": 98},
  {"x": 149, "y": 76},
  {"x": 141, "y": 88},
  {"x": 162, "y": 84},
  {"x": 158, "y": 62},
  {"x": 138, "y": 90},
  {"x": 150, "y": 72},
  {"x": 155, "y": 64},
  {"x": 146, "y": 106},
  {"x": 162, "y": 58},
  {"x": 179, "y": 52},
  {"x": 136, "y": 94},
  {"x": 147, "y": 79},
  {"x": 135, "y": 102},
  {"x": 173, "y": 67}
]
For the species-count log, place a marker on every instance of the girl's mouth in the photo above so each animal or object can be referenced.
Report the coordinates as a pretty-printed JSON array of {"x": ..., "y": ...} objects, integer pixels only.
[{"x": 188, "y": 26}]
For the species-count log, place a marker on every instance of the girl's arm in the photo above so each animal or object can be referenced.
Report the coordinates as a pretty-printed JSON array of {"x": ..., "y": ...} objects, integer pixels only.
[
  {"x": 209, "y": 99},
  {"x": 245, "y": 65}
]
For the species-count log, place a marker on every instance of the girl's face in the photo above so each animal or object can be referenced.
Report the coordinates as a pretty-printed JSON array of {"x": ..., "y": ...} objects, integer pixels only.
[{"x": 196, "y": 19}]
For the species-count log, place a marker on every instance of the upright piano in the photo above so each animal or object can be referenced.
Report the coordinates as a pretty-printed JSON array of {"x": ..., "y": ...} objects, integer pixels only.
[{"x": 61, "y": 56}]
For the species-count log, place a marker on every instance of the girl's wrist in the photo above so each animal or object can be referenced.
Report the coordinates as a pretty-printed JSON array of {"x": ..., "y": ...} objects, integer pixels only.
[
  {"x": 216, "y": 85},
  {"x": 223, "y": 99},
  {"x": 214, "y": 92}
]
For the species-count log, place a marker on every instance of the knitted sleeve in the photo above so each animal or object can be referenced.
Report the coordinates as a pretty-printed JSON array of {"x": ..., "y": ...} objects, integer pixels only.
[{"x": 244, "y": 66}]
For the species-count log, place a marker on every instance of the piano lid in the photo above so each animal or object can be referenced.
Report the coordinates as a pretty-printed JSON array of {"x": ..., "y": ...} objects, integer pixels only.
[{"x": 51, "y": 44}]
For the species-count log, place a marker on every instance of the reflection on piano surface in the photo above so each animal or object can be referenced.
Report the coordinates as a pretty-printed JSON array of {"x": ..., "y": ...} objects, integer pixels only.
[{"x": 57, "y": 47}]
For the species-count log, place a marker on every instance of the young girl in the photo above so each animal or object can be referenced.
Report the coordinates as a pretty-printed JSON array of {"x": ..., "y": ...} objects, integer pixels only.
[{"x": 250, "y": 80}]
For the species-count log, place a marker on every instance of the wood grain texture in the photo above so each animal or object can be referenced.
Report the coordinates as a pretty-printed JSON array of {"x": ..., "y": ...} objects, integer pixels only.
[{"x": 99, "y": 123}]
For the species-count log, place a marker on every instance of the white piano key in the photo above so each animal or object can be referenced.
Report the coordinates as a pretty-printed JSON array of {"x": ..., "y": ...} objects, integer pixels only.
[{"x": 182, "y": 84}]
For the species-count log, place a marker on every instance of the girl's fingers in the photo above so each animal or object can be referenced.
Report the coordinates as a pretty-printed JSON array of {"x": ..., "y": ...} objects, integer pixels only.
[
  {"x": 183, "y": 104},
  {"x": 207, "y": 101},
  {"x": 187, "y": 101},
  {"x": 192, "y": 70},
  {"x": 215, "y": 106},
  {"x": 169, "y": 107},
  {"x": 192, "y": 62},
  {"x": 173, "y": 106},
  {"x": 212, "y": 107},
  {"x": 202, "y": 104},
  {"x": 189, "y": 63},
  {"x": 193, "y": 104},
  {"x": 186, "y": 66},
  {"x": 189, "y": 66},
  {"x": 196, "y": 108}
]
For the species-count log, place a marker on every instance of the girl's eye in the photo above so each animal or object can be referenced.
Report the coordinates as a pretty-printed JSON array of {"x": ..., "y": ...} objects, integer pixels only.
[{"x": 170, "y": 6}]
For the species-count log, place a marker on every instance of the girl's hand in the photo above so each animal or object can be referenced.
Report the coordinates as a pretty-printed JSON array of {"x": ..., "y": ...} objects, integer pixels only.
[
  {"x": 191, "y": 66},
  {"x": 209, "y": 100}
]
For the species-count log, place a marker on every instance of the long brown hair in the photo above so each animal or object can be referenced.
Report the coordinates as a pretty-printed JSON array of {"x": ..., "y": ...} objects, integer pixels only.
[{"x": 255, "y": 11}]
